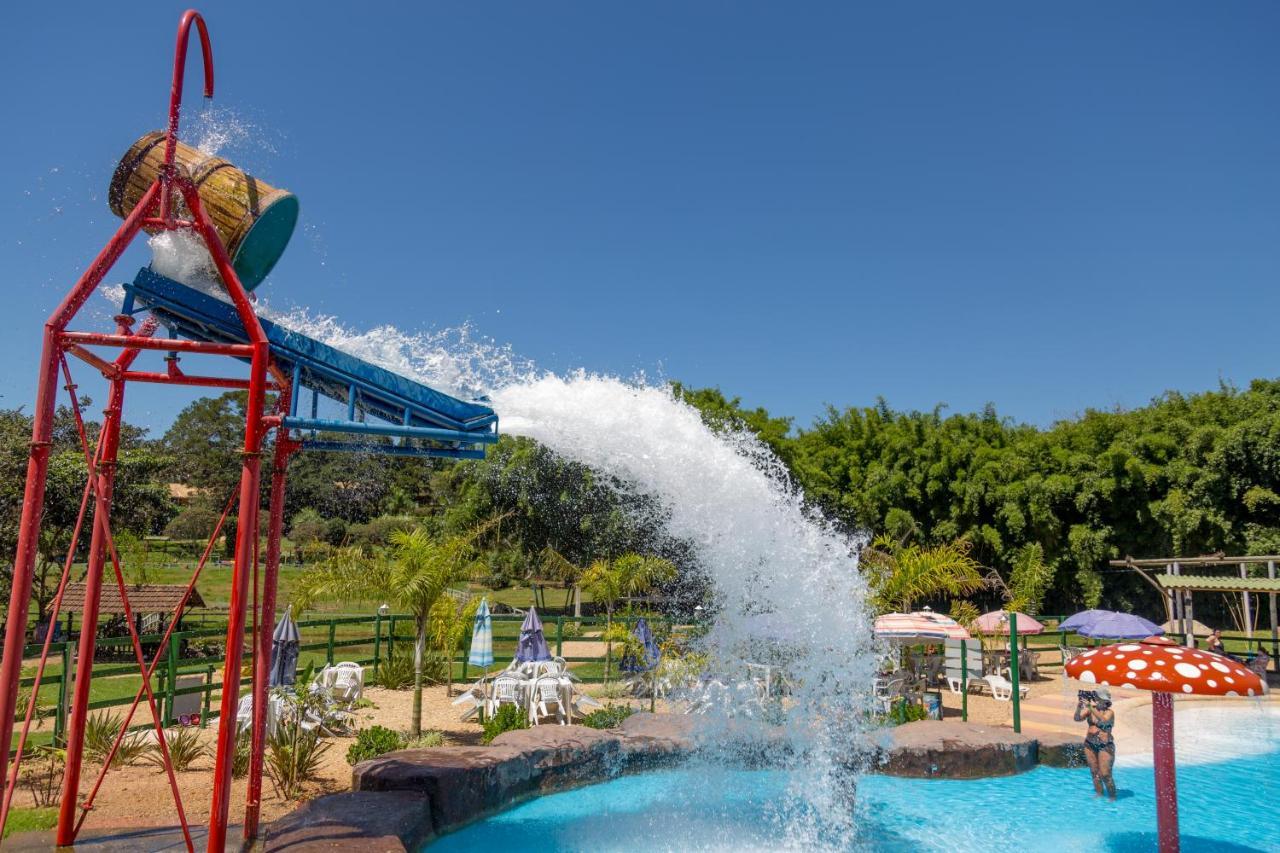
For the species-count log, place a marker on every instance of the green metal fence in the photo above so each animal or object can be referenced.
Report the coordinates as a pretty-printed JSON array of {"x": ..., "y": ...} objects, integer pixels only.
[{"x": 366, "y": 640}]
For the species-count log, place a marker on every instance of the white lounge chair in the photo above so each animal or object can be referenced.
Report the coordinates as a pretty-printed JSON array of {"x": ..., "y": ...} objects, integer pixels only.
[
  {"x": 472, "y": 701},
  {"x": 1002, "y": 688}
]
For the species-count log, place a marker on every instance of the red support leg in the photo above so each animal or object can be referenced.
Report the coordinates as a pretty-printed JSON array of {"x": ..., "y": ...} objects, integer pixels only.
[
  {"x": 1166, "y": 771},
  {"x": 38, "y": 466},
  {"x": 246, "y": 539},
  {"x": 266, "y": 623},
  {"x": 28, "y": 540},
  {"x": 106, "y": 471}
]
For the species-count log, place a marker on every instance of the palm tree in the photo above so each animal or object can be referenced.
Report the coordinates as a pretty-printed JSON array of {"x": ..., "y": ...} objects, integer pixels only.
[
  {"x": 901, "y": 574},
  {"x": 630, "y": 576},
  {"x": 447, "y": 624},
  {"x": 419, "y": 571}
]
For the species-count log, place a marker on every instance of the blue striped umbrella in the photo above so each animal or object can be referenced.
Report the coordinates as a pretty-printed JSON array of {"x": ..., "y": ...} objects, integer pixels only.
[{"x": 482, "y": 638}]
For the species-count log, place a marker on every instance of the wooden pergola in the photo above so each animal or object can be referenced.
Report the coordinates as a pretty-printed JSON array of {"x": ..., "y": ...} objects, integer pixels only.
[{"x": 1176, "y": 586}]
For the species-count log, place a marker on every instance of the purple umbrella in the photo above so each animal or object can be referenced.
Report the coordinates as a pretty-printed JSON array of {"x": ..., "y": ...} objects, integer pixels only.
[
  {"x": 1077, "y": 620},
  {"x": 1118, "y": 626},
  {"x": 533, "y": 645},
  {"x": 652, "y": 654}
]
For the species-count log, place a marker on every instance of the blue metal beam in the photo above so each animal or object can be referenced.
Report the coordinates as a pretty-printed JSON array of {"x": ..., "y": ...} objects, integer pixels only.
[
  {"x": 362, "y": 428},
  {"x": 392, "y": 450}
]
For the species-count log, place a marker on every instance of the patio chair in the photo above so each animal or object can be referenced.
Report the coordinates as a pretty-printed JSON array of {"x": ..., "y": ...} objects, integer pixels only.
[
  {"x": 885, "y": 691},
  {"x": 1002, "y": 688},
  {"x": 471, "y": 700},
  {"x": 507, "y": 690},
  {"x": 546, "y": 692},
  {"x": 346, "y": 682}
]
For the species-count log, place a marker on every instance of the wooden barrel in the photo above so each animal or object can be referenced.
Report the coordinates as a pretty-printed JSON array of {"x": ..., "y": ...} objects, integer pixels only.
[{"x": 254, "y": 219}]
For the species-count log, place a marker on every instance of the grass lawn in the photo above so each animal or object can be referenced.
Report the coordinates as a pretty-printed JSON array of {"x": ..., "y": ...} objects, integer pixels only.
[{"x": 25, "y": 820}]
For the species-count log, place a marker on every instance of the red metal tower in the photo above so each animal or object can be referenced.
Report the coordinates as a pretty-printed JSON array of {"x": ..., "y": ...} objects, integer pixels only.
[{"x": 156, "y": 211}]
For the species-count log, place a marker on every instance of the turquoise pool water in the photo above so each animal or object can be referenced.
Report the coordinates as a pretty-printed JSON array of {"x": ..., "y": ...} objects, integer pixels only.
[{"x": 1224, "y": 806}]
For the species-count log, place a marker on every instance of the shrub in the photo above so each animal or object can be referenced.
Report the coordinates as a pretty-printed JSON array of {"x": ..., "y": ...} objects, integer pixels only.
[
  {"x": 240, "y": 758},
  {"x": 428, "y": 740},
  {"x": 307, "y": 527},
  {"x": 508, "y": 718},
  {"x": 194, "y": 522},
  {"x": 906, "y": 712},
  {"x": 293, "y": 757},
  {"x": 372, "y": 742},
  {"x": 614, "y": 690},
  {"x": 335, "y": 532},
  {"x": 395, "y": 671},
  {"x": 608, "y": 717},
  {"x": 42, "y": 774},
  {"x": 100, "y": 732},
  {"x": 185, "y": 749},
  {"x": 377, "y": 533}
]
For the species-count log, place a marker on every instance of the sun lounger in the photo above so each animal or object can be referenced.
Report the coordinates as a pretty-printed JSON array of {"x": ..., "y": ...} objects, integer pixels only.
[{"x": 1002, "y": 689}]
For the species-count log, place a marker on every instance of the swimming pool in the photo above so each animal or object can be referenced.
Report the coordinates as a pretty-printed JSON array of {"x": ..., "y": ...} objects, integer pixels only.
[{"x": 1228, "y": 805}]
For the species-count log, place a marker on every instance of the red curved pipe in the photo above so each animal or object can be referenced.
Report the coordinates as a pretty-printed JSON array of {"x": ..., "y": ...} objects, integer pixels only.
[{"x": 175, "y": 94}]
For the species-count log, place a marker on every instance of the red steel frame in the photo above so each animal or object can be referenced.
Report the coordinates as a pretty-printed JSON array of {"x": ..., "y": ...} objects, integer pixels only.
[{"x": 155, "y": 211}]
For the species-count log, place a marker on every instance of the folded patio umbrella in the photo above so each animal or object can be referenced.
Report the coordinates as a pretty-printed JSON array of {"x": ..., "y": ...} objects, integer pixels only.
[
  {"x": 997, "y": 622},
  {"x": 921, "y": 625},
  {"x": 533, "y": 645},
  {"x": 1084, "y": 617},
  {"x": 651, "y": 654},
  {"x": 482, "y": 638},
  {"x": 1108, "y": 625},
  {"x": 284, "y": 651}
]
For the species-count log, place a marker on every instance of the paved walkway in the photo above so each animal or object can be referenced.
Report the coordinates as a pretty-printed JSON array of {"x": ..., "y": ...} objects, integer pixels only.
[{"x": 1050, "y": 712}]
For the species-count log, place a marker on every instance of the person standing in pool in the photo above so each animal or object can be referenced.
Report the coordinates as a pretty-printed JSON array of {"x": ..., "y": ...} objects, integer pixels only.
[{"x": 1099, "y": 744}]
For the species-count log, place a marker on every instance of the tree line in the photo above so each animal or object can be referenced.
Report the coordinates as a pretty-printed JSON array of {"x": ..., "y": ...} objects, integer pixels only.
[{"x": 1036, "y": 508}]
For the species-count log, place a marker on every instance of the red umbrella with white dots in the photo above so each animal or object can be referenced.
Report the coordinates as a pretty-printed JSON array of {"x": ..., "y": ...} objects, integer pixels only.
[{"x": 1165, "y": 668}]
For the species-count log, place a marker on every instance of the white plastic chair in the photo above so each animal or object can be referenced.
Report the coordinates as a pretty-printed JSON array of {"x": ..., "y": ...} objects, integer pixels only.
[
  {"x": 546, "y": 692},
  {"x": 507, "y": 690},
  {"x": 348, "y": 683}
]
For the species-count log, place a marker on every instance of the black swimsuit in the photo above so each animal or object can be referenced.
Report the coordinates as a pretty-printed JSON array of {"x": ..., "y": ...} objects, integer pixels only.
[{"x": 1097, "y": 744}]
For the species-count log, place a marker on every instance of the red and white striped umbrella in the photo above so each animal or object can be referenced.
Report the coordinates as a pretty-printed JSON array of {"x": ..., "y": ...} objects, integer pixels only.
[{"x": 921, "y": 625}]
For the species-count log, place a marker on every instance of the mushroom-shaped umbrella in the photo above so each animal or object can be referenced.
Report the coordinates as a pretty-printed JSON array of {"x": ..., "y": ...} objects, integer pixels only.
[{"x": 1165, "y": 668}]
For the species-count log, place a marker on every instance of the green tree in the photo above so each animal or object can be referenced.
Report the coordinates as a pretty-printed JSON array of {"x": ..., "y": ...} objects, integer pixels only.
[{"x": 901, "y": 575}]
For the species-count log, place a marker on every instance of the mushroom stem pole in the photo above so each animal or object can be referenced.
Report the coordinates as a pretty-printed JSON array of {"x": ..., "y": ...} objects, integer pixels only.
[{"x": 1166, "y": 771}]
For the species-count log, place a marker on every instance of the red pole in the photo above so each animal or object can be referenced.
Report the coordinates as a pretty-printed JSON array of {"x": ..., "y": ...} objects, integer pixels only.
[
  {"x": 266, "y": 623},
  {"x": 175, "y": 99},
  {"x": 38, "y": 469},
  {"x": 106, "y": 472},
  {"x": 247, "y": 526},
  {"x": 1166, "y": 771},
  {"x": 246, "y": 536}
]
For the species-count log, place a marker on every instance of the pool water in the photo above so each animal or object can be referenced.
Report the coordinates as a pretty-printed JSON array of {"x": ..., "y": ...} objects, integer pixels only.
[{"x": 1230, "y": 805}]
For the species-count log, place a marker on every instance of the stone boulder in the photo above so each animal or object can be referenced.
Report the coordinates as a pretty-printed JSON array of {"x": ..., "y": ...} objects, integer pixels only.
[
  {"x": 951, "y": 750},
  {"x": 361, "y": 822}
]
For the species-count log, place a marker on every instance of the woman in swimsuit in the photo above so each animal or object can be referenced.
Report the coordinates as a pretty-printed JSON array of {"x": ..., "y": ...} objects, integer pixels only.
[{"x": 1099, "y": 745}]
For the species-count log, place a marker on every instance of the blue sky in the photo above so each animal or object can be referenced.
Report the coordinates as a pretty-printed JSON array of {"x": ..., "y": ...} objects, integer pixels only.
[{"x": 1045, "y": 206}]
